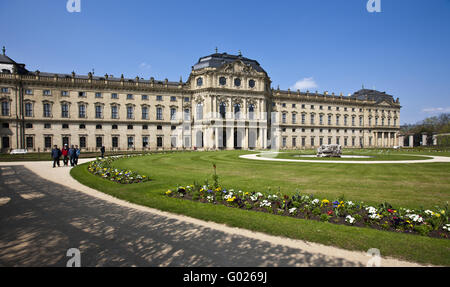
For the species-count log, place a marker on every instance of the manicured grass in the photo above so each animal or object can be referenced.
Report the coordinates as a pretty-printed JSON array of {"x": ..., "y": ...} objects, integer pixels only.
[
  {"x": 410, "y": 186},
  {"x": 372, "y": 156}
]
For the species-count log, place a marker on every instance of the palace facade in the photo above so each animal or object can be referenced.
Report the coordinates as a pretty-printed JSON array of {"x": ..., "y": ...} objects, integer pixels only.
[{"x": 226, "y": 103}]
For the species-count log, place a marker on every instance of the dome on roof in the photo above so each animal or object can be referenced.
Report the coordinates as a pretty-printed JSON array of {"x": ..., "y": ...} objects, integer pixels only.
[{"x": 217, "y": 60}]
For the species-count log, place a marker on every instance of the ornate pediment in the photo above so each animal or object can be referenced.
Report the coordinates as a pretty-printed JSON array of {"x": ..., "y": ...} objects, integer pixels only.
[
  {"x": 222, "y": 99},
  {"x": 238, "y": 67},
  {"x": 199, "y": 99},
  {"x": 384, "y": 104}
]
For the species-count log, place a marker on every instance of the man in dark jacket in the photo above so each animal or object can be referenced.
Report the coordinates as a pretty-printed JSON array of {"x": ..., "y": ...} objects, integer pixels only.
[
  {"x": 56, "y": 154},
  {"x": 102, "y": 150},
  {"x": 72, "y": 153},
  {"x": 77, "y": 155}
]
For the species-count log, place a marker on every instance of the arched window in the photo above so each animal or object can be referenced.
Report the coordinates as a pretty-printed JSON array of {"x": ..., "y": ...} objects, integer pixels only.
[
  {"x": 251, "y": 112},
  {"x": 237, "y": 111},
  {"x": 222, "y": 110},
  {"x": 187, "y": 115},
  {"x": 199, "y": 82},
  {"x": 199, "y": 111}
]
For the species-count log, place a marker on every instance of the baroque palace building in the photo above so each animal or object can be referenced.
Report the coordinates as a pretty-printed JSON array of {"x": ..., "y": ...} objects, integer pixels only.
[{"x": 226, "y": 103}]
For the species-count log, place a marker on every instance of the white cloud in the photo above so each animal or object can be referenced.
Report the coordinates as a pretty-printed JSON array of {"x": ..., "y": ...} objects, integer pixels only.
[
  {"x": 436, "y": 110},
  {"x": 145, "y": 66},
  {"x": 304, "y": 84}
]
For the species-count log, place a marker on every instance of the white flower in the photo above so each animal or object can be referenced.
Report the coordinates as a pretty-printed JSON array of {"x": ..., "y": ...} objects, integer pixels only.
[
  {"x": 259, "y": 194},
  {"x": 446, "y": 227},
  {"x": 292, "y": 210},
  {"x": 349, "y": 203},
  {"x": 210, "y": 198},
  {"x": 371, "y": 210},
  {"x": 415, "y": 217},
  {"x": 374, "y": 216},
  {"x": 253, "y": 198},
  {"x": 350, "y": 219},
  {"x": 265, "y": 203},
  {"x": 429, "y": 212},
  {"x": 315, "y": 201}
]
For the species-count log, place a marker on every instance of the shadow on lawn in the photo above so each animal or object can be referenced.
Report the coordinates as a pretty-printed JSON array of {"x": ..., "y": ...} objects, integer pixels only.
[{"x": 42, "y": 220}]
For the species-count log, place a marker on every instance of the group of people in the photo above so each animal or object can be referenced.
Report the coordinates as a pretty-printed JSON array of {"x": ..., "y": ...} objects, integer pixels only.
[{"x": 68, "y": 154}]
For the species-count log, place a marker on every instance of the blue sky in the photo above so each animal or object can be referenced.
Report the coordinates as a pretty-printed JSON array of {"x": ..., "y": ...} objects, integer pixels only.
[{"x": 324, "y": 45}]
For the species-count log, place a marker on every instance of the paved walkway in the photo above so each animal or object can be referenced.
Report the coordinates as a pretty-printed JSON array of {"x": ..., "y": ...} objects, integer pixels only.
[
  {"x": 44, "y": 212},
  {"x": 270, "y": 156}
]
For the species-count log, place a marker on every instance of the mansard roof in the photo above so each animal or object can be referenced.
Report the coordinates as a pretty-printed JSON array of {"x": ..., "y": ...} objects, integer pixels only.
[
  {"x": 217, "y": 60},
  {"x": 373, "y": 95},
  {"x": 6, "y": 60}
]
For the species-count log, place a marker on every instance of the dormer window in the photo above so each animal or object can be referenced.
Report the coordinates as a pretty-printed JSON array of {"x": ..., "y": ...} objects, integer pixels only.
[
  {"x": 199, "y": 82},
  {"x": 237, "y": 82},
  {"x": 251, "y": 83},
  {"x": 222, "y": 81}
]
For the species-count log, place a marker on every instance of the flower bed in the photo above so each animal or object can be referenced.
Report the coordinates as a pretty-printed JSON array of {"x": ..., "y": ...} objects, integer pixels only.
[
  {"x": 104, "y": 169},
  {"x": 433, "y": 223}
]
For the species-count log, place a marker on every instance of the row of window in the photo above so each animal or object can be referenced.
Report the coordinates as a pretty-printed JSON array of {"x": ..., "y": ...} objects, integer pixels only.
[
  {"x": 322, "y": 130},
  {"x": 313, "y": 142},
  {"x": 345, "y": 109},
  {"x": 236, "y": 111},
  {"x": 29, "y": 142},
  {"x": 337, "y": 117},
  {"x": 83, "y": 126},
  {"x": 99, "y": 110},
  {"x": 223, "y": 82},
  {"x": 98, "y": 95}
]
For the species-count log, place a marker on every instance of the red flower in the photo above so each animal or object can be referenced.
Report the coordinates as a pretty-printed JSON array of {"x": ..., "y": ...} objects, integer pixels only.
[
  {"x": 390, "y": 210},
  {"x": 330, "y": 212}
]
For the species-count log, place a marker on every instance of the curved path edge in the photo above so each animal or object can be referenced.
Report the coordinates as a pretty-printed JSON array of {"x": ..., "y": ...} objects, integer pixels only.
[
  {"x": 433, "y": 159},
  {"x": 62, "y": 176}
]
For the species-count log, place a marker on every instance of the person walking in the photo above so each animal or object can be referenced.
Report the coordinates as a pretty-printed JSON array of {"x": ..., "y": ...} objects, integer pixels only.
[
  {"x": 102, "y": 150},
  {"x": 65, "y": 154},
  {"x": 77, "y": 154},
  {"x": 56, "y": 154},
  {"x": 72, "y": 155}
]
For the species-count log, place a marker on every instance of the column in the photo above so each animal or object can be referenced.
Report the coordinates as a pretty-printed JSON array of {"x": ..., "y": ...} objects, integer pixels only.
[
  {"x": 382, "y": 140},
  {"x": 230, "y": 142},
  {"x": 389, "y": 140},
  {"x": 435, "y": 142},
  {"x": 216, "y": 138},
  {"x": 260, "y": 138},
  {"x": 245, "y": 144},
  {"x": 424, "y": 139},
  {"x": 401, "y": 140},
  {"x": 411, "y": 141}
]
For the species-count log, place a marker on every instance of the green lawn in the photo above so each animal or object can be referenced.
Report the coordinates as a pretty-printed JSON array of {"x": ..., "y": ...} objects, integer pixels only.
[
  {"x": 371, "y": 154},
  {"x": 410, "y": 186}
]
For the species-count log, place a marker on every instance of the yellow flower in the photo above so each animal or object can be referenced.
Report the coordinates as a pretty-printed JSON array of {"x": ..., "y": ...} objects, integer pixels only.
[
  {"x": 442, "y": 212},
  {"x": 437, "y": 215},
  {"x": 231, "y": 199},
  {"x": 169, "y": 192}
]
